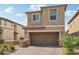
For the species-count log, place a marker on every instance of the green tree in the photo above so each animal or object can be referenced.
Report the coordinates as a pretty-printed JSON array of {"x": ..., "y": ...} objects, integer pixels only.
[{"x": 69, "y": 43}]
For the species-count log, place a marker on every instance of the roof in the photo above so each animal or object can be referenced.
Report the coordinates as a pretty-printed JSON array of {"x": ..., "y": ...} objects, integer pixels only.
[
  {"x": 74, "y": 16},
  {"x": 33, "y": 12},
  {"x": 65, "y": 5},
  {"x": 2, "y": 18}
]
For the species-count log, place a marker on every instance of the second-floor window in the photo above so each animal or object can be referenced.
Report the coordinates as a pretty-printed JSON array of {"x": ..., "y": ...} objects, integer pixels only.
[
  {"x": 5, "y": 22},
  {"x": 53, "y": 14},
  {"x": 36, "y": 17}
]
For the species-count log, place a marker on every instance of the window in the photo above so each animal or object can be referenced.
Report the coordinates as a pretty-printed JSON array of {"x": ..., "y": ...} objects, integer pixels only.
[
  {"x": 5, "y": 22},
  {"x": 53, "y": 13},
  {"x": 36, "y": 17}
]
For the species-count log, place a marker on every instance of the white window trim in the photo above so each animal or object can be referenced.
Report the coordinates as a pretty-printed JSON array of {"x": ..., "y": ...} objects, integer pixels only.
[
  {"x": 37, "y": 20},
  {"x": 56, "y": 14}
]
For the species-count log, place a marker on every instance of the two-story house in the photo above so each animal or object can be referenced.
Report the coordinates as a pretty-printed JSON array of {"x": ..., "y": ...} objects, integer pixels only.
[
  {"x": 11, "y": 30},
  {"x": 45, "y": 27},
  {"x": 73, "y": 24}
]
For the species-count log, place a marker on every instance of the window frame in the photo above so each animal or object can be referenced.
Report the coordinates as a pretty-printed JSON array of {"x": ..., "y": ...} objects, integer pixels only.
[
  {"x": 56, "y": 14},
  {"x": 5, "y": 22},
  {"x": 36, "y": 20}
]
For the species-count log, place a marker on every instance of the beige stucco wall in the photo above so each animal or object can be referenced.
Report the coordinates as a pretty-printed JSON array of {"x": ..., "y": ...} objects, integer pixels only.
[
  {"x": 9, "y": 24},
  {"x": 74, "y": 25},
  {"x": 8, "y": 34},
  {"x": 61, "y": 28},
  {"x": 8, "y": 31},
  {"x": 45, "y": 16},
  {"x": 20, "y": 32}
]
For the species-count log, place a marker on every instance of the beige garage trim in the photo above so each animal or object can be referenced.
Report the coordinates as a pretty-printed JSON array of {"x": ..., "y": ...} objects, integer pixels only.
[
  {"x": 28, "y": 37},
  {"x": 45, "y": 38},
  {"x": 28, "y": 31}
]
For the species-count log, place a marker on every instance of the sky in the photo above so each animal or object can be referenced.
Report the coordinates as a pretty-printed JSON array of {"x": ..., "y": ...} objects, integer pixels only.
[{"x": 16, "y": 12}]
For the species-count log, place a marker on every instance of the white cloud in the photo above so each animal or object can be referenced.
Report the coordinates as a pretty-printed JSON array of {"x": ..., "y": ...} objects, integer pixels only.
[
  {"x": 25, "y": 21},
  {"x": 3, "y": 16},
  {"x": 69, "y": 13},
  {"x": 36, "y": 7},
  {"x": 20, "y": 14},
  {"x": 9, "y": 10}
]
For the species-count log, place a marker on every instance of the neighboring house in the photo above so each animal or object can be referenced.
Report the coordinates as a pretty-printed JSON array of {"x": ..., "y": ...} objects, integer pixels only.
[
  {"x": 73, "y": 24},
  {"x": 45, "y": 27},
  {"x": 11, "y": 30}
]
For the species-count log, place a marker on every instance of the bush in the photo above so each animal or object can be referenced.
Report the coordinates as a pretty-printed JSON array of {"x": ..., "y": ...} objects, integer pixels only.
[
  {"x": 6, "y": 48},
  {"x": 1, "y": 41},
  {"x": 69, "y": 43},
  {"x": 70, "y": 51},
  {"x": 77, "y": 40},
  {"x": 1, "y": 52},
  {"x": 12, "y": 47}
]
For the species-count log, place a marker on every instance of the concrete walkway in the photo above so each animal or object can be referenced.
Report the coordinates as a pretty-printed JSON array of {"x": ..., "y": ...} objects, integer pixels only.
[{"x": 35, "y": 50}]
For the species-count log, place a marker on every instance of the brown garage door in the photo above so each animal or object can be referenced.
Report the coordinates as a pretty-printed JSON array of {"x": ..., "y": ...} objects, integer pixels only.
[{"x": 44, "y": 38}]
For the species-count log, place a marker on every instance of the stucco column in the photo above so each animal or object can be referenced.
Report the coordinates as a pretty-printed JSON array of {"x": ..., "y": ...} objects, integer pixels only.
[
  {"x": 60, "y": 44},
  {"x": 28, "y": 38}
]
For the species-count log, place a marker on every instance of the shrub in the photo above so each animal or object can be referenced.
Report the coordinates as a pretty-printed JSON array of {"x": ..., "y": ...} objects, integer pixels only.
[
  {"x": 70, "y": 51},
  {"x": 69, "y": 43},
  {"x": 6, "y": 47},
  {"x": 12, "y": 47},
  {"x": 77, "y": 40},
  {"x": 1, "y": 52},
  {"x": 1, "y": 41}
]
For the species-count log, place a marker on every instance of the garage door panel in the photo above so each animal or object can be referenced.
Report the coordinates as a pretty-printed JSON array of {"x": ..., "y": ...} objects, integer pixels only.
[{"x": 44, "y": 38}]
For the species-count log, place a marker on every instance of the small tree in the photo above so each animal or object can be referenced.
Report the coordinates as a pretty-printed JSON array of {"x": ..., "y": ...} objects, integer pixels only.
[{"x": 69, "y": 43}]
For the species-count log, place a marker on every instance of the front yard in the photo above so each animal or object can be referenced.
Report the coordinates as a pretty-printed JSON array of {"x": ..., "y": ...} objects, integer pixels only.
[
  {"x": 70, "y": 46},
  {"x": 36, "y": 50}
]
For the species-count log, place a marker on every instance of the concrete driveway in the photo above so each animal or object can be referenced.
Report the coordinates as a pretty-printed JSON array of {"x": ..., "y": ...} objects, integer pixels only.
[{"x": 36, "y": 50}]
